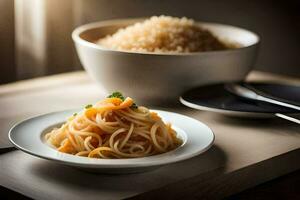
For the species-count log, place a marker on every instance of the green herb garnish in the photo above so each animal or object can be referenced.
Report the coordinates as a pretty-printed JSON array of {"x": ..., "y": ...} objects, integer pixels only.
[
  {"x": 88, "y": 106},
  {"x": 117, "y": 95},
  {"x": 134, "y": 106},
  {"x": 74, "y": 114},
  {"x": 120, "y": 96}
]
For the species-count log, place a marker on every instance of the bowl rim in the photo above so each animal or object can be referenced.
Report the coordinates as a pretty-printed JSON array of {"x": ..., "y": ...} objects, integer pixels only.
[{"x": 86, "y": 27}]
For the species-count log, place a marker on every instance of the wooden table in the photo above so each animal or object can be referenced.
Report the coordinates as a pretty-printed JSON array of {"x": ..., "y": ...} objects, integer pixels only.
[{"x": 246, "y": 152}]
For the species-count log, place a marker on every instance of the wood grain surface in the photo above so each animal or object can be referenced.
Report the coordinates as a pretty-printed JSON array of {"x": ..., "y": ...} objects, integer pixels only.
[{"x": 246, "y": 152}]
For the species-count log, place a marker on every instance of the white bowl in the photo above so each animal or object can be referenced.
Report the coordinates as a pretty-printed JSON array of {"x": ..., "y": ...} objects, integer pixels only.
[{"x": 153, "y": 78}]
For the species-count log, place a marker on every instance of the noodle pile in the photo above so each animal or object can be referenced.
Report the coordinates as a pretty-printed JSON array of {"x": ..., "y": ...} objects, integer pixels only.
[{"x": 114, "y": 128}]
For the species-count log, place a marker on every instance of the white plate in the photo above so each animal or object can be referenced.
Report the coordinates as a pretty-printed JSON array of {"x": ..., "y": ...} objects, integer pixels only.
[{"x": 28, "y": 136}]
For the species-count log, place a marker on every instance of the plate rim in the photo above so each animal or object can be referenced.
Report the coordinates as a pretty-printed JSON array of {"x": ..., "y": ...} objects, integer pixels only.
[
  {"x": 159, "y": 161},
  {"x": 237, "y": 113}
]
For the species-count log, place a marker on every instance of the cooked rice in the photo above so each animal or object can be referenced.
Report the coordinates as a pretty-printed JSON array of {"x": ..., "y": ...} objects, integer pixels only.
[{"x": 163, "y": 34}]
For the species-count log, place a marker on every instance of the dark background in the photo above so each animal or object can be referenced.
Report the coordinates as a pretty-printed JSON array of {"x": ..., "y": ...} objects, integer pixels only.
[{"x": 276, "y": 22}]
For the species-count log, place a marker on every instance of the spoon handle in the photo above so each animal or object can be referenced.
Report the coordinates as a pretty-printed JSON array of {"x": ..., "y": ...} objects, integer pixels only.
[
  {"x": 280, "y": 103},
  {"x": 292, "y": 119},
  {"x": 7, "y": 149}
]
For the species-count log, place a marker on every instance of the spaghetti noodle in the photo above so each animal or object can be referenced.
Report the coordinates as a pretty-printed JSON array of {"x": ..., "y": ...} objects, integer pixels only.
[{"x": 114, "y": 128}]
